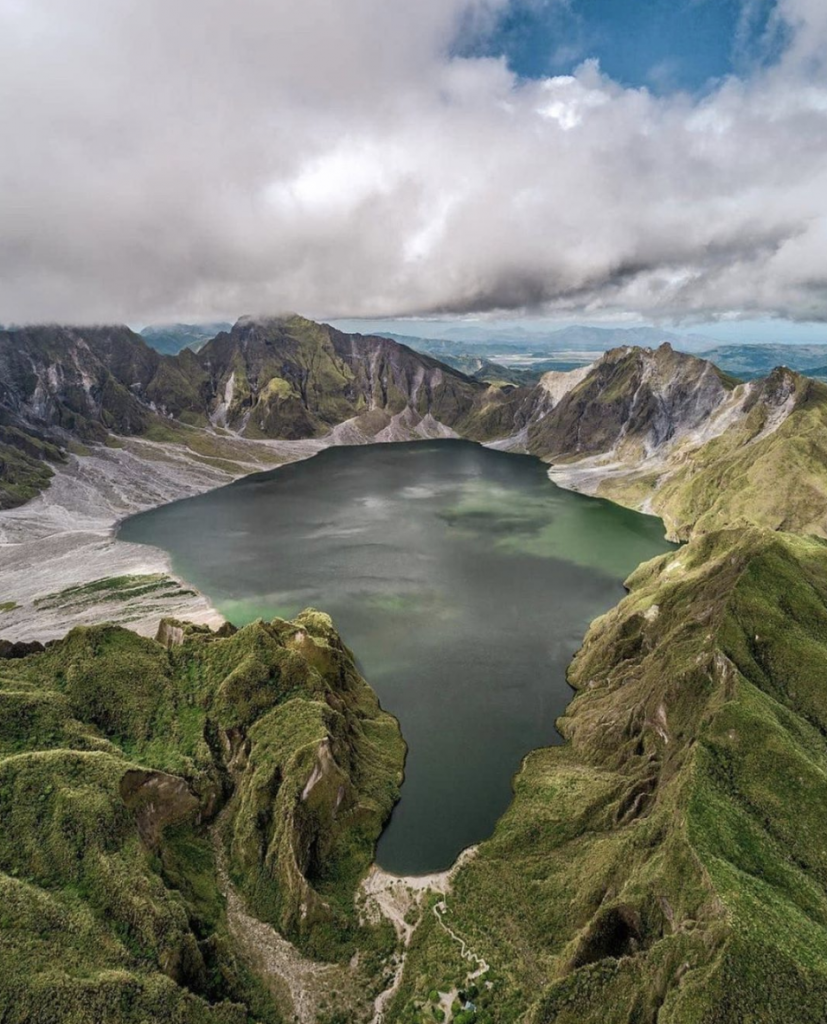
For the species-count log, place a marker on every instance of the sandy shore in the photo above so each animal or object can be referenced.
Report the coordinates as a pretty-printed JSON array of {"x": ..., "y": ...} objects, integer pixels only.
[
  {"x": 54, "y": 546},
  {"x": 65, "y": 538}
]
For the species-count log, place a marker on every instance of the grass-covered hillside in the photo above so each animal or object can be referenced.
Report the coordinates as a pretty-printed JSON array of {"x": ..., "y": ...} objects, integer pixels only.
[
  {"x": 671, "y": 434},
  {"x": 667, "y": 864},
  {"x": 26, "y": 461},
  {"x": 127, "y": 765},
  {"x": 162, "y": 801}
]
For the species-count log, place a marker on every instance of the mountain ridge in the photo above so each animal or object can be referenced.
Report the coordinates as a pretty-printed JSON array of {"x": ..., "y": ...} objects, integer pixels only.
[
  {"x": 645, "y": 427},
  {"x": 265, "y": 378}
]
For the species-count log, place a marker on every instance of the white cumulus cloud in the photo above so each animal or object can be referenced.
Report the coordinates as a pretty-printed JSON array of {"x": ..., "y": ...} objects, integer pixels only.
[{"x": 202, "y": 158}]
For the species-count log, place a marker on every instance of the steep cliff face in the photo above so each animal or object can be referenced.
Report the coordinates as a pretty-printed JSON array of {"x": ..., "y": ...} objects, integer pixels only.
[
  {"x": 294, "y": 378},
  {"x": 670, "y": 434},
  {"x": 632, "y": 403},
  {"x": 78, "y": 381},
  {"x": 116, "y": 755},
  {"x": 275, "y": 378},
  {"x": 57, "y": 389},
  {"x": 316, "y": 767}
]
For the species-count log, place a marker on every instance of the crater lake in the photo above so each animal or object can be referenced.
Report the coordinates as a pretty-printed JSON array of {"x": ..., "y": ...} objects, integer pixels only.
[{"x": 462, "y": 578}]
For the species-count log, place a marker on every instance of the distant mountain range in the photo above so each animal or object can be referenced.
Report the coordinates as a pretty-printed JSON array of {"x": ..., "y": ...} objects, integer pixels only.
[
  {"x": 520, "y": 356},
  {"x": 171, "y": 338},
  {"x": 534, "y": 354},
  {"x": 579, "y": 336},
  {"x": 464, "y": 339},
  {"x": 749, "y": 361}
]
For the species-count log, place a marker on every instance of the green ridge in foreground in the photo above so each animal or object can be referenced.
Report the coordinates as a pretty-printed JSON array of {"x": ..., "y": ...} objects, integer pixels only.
[
  {"x": 668, "y": 863},
  {"x": 116, "y": 754}
]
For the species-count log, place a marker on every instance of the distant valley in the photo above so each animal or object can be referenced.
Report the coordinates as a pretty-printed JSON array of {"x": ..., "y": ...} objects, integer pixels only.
[{"x": 521, "y": 357}]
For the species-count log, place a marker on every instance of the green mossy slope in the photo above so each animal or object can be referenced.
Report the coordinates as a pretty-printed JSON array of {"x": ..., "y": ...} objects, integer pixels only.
[
  {"x": 770, "y": 469},
  {"x": 667, "y": 864},
  {"x": 117, "y": 754}
]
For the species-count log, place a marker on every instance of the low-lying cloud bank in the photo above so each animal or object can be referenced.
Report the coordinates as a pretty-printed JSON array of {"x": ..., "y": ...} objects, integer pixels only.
[{"x": 198, "y": 158}]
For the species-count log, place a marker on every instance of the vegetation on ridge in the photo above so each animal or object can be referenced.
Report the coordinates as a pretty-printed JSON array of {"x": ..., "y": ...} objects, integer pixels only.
[
  {"x": 667, "y": 864},
  {"x": 116, "y": 755},
  {"x": 769, "y": 470}
]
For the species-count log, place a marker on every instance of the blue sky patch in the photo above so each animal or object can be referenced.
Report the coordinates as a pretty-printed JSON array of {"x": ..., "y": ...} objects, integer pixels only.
[{"x": 665, "y": 45}]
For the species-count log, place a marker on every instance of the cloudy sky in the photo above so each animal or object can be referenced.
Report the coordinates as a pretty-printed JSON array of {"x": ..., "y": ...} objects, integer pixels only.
[{"x": 663, "y": 160}]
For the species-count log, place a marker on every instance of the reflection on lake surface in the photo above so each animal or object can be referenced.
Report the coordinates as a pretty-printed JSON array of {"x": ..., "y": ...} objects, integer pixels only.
[{"x": 463, "y": 579}]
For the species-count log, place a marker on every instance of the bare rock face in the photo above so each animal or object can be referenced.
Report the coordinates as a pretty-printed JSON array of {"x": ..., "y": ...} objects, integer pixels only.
[
  {"x": 81, "y": 381},
  {"x": 158, "y": 800},
  {"x": 170, "y": 633},
  {"x": 670, "y": 434},
  {"x": 292, "y": 378},
  {"x": 632, "y": 401},
  {"x": 173, "y": 632}
]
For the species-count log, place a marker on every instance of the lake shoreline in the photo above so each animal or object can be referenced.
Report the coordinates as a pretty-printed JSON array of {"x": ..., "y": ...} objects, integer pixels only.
[
  {"x": 76, "y": 544},
  {"x": 66, "y": 538},
  {"x": 67, "y": 535},
  {"x": 463, "y": 578}
]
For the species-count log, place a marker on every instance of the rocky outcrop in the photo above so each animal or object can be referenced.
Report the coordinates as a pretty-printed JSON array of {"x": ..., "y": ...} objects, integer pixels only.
[
  {"x": 19, "y": 648},
  {"x": 668, "y": 433},
  {"x": 61, "y": 387},
  {"x": 78, "y": 382},
  {"x": 630, "y": 404},
  {"x": 157, "y": 800}
]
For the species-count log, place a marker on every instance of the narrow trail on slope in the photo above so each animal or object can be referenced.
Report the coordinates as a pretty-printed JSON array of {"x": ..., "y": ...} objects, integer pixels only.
[
  {"x": 440, "y": 909},
  {"x": 395, "y": 897},
  {"x": 301, "y": 985}
]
